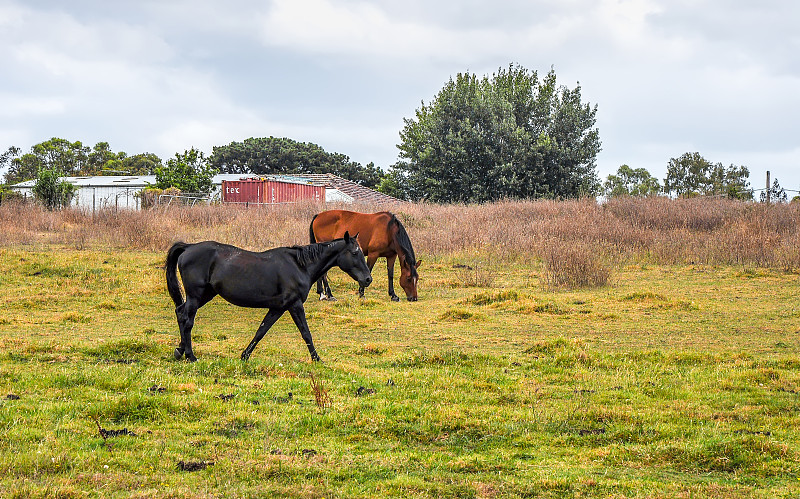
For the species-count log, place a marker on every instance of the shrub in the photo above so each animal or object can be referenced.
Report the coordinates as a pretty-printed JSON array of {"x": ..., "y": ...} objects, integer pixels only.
[
  {"x": 51, "y": 191},
  {"x": 573, "y": 265}
]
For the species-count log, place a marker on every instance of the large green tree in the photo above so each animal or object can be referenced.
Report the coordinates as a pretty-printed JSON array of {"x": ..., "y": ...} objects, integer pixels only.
[
  {"x": 510, "y": 135},
  {"x": 631, "y": 182},
  {"x": 103, "y": 161},
  {"x": 139, "y": 164},
  {"x": 691, "y": 175},
  {"x": 271, "y": 155},
  {"x": 61, "y": 155},
  {"x": 189, "y": 172}
]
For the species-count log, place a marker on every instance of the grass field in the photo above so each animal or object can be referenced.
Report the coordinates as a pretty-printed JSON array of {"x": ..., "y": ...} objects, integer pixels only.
[{"x": 671, "y": 380}]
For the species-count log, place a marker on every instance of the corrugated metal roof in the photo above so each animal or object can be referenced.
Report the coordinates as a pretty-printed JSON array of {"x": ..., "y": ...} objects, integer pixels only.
[
  {"x": 357, "y": 192},
  {"x": 128, "y": 180}
]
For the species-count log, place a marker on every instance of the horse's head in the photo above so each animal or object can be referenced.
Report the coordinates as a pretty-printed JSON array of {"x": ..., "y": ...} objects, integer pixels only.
[
  {"x": 352, "y": 261},
  {"x": 409, "y": 278}
]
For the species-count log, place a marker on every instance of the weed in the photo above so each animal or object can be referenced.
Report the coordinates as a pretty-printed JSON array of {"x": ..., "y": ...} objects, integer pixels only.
[
  {"x": 321, "y": 397},
  {"x": 476, "y": 275}
]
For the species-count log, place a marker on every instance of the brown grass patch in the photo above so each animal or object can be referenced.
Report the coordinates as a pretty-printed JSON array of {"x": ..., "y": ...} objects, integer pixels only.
[
  {"x": 569, "y": 236},
  {"x": 572, "y": 266}
]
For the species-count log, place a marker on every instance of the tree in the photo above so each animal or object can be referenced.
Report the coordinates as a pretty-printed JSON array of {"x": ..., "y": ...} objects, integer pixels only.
[
  {"x": 72, "y": 159},
  {"x": 776, "y": 193},
  {"x": 61, "y": 155},
  {"x": 686, "y": 174},
  {"x": 393, "y": 184},
  {"x": 187, "y": 172},
  {"x": 7, "y": 159},
  {"x": 51, "y": 191},
  {"x": 508, "y": 136},
  {"x": 103, "y": 161},
  {"x": 68, "y": 158},
  {"x": 140, "y": 164},
  {"x": 630, "y": 182},
  {"x": 691, "y": 174},
  {"x": 285, "y": 156},
  {"x": 731, "y": 182}
]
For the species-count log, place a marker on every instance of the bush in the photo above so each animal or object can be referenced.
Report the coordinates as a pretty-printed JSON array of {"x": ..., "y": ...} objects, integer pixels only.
[
  {"x": 9, "y": 196},
  {"x": 573, "y": 265},
  {"x": 51, "y": 191}
]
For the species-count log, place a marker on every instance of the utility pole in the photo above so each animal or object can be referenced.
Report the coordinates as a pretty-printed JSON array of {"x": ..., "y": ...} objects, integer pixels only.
[{"x": 768, "y": 187}]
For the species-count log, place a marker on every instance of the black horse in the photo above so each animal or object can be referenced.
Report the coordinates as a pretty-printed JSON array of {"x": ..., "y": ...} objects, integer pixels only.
[{"x": 278, "y": 279}]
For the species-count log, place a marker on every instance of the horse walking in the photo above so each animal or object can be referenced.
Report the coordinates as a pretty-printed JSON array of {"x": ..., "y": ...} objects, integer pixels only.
[
  {"x": 380, "y": 235},
  {"x": 278, "y": 279}
]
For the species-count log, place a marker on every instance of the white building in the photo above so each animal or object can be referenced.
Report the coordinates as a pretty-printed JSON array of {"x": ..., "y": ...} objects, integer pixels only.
[{"x": 100, "y": 192}]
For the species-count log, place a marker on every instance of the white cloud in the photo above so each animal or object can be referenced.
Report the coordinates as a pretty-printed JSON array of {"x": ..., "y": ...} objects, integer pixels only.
[{"x": 668, "y": 76}]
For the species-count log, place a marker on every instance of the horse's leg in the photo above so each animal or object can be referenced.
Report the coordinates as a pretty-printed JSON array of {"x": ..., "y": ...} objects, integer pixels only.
[
  {"x": 371, "y": 259},
  {"x": 328, "y": 291},
  {"x": 324, "y": 289},
  {"x": 272, "y": 315},
  {"x": 299, "y": 317},
  {"x": 390, "y": 270},
  {"x": 186, "y": 313},
  {"x": 179, "y": 314},
  {"x": 320, "y": 289}
]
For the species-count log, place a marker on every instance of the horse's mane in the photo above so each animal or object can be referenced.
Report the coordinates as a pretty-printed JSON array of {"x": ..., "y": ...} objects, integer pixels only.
[
  {"x": 310, "y": 253},
  {"x": 405, "y": 244}
]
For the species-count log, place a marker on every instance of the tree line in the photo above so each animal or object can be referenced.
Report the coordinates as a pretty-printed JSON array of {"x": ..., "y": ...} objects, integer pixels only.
[
  {"x": 509, "y": 135},
  {"x": 690, "y": 175}
]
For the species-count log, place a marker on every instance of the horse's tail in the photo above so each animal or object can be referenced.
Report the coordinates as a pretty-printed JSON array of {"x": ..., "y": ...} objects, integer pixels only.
[
  {"x": 312, "y": 238},
  {"x": 171, "y": 265}
]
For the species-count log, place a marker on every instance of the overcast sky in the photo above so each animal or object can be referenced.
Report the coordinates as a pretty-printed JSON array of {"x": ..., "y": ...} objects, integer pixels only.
[{"x": 720, "y": 77}]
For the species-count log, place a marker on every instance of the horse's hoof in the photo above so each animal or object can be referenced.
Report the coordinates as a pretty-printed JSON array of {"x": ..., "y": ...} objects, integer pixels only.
[
  {"x": 191, "y": 358},
  {"x": 178, "y": 354},
  {"x": 395, "y": 298}
]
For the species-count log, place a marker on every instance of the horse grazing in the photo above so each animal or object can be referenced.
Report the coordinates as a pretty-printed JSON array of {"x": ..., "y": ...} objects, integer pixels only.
[
  {"x": 278, "y": 279},
  {"x": 380, "y": 235}
]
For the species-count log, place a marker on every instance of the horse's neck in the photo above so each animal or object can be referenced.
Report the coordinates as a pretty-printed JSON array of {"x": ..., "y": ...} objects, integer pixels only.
[
  {"x": 401, "y": 254},
  {"x": 325, "y": 262}
]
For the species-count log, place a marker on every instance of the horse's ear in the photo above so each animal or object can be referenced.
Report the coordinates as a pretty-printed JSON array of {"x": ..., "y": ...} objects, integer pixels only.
[
  {"x": 347, "y": 236},
  {"x": 419, "y": 262}
]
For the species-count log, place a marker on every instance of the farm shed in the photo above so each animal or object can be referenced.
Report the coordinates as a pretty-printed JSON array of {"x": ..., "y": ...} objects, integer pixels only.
[{"x": 100, "y": 192}]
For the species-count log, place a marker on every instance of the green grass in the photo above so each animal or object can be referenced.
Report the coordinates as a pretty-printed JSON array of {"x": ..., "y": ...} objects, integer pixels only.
[{"x": 672, "y": 381}]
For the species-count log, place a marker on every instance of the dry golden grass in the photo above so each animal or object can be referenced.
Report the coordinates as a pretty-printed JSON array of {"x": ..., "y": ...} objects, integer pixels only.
[{"x": 582, "y": 234}]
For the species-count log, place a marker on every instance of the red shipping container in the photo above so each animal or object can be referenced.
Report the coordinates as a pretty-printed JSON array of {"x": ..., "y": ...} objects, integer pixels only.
[
  {"x": 249, "y": 190},
  {"x": 261, "y": 191},
  {"x": 289, "y": 192}
]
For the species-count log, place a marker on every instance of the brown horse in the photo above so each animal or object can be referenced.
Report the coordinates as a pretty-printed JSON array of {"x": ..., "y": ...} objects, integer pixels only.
[{"x": 380, "y": 235}]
